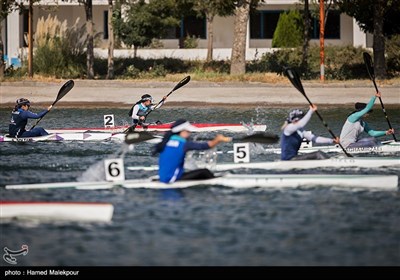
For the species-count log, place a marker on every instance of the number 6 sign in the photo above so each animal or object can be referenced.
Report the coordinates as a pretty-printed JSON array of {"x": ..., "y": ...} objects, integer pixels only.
[{"x": 114, "y": 169}]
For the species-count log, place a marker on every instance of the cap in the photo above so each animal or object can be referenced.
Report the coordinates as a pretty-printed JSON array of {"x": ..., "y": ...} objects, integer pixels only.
[
  {"x": 295, "y": 115},
  {"x": 361, "y": 106},
  {"x": 146, "y": 97},
  {"x": 23, "y": 101},
  {"x": 181, "y": 125}
]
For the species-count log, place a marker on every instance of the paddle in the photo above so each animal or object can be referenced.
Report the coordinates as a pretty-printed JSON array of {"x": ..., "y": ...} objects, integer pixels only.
[
  {"x": 181, "y": 83},
  {"x": 61, "y": 93},
  {"x": 371, "y": 73},
  {"x": 296, "y": 82},
  {"x": 262, "y": 138}
]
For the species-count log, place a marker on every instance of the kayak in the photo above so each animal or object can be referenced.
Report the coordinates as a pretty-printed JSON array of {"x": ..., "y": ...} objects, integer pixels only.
[
  {"x": 71, "y": 211},
  {"x": 85, "y": 136},
  {"x": 339, "y": 162},
  {"x": 380, "y": 182},
  {"x": 201, "y": 127},
  {"x": 386, "y": 147}
]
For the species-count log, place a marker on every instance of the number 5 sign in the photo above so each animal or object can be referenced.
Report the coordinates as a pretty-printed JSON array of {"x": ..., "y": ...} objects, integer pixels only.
[
  {"x": 241, "y": 152},
  {"x": 114, "y": 169}
]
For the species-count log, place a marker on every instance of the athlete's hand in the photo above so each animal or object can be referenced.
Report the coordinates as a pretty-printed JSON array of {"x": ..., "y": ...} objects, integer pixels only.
[
  {"x": 390, "y": 131},
  {"x": 378, "y": 94},
  {"x": 313, "y": 107},
  {"x": 221, "y": 138},
  {"x": 49, "y": 108},
  {"x": 336, "y": 140}
]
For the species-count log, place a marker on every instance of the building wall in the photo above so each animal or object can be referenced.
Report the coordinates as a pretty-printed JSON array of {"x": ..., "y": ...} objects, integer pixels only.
[{"x": 223, "y": 33}]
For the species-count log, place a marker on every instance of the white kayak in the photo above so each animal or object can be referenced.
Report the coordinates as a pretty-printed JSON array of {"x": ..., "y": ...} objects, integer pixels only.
[
  {"x": 78, "y": 136},
  {"x": 71, "y": 211},
  {"x": 200, "y": 127},
  {"x": 339, "y": 162},
  {"x": 386, "y": 147},
  {"x": 380, "y": 182}
]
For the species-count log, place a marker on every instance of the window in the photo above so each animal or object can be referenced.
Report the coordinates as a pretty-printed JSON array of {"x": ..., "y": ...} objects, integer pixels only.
[
  {"x": 263, "y": 24},
  {"x": 25, "y": 26},
  {"x": 332, "y": 26},
  {"x": 105, "y": 25},
  {"x": 192, "y": 26}
]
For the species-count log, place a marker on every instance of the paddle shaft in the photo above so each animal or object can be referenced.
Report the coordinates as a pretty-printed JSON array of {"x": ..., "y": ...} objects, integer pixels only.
[
  {"x": 137, "y": 137},
  {"x": 181, "y": 83},
  {"x": 383, "y": 109},
  {"x": 61, "y": 93}
]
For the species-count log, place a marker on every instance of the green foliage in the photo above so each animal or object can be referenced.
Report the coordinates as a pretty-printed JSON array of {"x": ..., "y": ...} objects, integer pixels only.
[
  {"x": 341, "y": 63},
  {"x": 144, "y": 21},
  {"x": 60, "y": 51},
  {"x": 393, "y": 55},
  {"x": 363, "y": 12},
  {"x": 190, "y": 42},
  {"x": 289, "y": 30}
]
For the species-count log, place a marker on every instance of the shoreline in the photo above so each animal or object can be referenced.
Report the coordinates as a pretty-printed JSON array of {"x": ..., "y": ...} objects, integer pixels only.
[{"x": 122, "y": 94}]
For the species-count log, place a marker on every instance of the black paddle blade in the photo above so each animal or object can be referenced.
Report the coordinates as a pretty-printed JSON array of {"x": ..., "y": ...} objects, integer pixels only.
[
  {"x": 137, "y": 137},
  {"x": 294, "y": 79},
  {"x": 368, "y": 64},
  {"x": 262, "y": 138},
  {"x": 183, "y": 82},
  {"x": 64, "y": 90}
]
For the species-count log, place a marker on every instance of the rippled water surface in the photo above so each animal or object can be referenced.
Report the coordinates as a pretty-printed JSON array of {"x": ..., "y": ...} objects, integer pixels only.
[{"x": 200, "y": 225}]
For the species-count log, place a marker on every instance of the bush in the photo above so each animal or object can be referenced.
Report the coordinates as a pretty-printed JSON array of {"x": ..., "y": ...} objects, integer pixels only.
[
  {"x": 65, "y": 48},
  {"x": 340, "y": 62},
  {"x": 289, "y": 30},
  {"x": 393, "y": 55}
]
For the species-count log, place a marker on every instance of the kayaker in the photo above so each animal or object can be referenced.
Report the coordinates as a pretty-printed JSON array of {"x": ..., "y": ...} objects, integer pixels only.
[
  {"x": 173, "y": 150},
  {"x": 293, "y": 134},
  {"x": 19, "y": 120},
  {"x": 350, "y": 137},
  {"x": 142, "y": 108}
]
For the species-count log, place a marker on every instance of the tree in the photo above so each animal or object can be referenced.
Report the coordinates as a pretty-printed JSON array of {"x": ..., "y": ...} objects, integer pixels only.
[
  {"x": 306, "y": 34},
  {"x": 380, "y": 17},
  {"x": 289, "y": 30},
  {"x": 110, "y": 68},
  {"x": 211, "y": 8},
  {"x": 6, "y": 7},
  {"x": 144, "y": 20},
  {"x": 238, "y": 57},
  {"x": 88, "y": 5}
]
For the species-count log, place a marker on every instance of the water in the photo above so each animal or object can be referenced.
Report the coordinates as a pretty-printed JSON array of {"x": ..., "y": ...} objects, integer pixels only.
[{"x": 200, "y": 225}]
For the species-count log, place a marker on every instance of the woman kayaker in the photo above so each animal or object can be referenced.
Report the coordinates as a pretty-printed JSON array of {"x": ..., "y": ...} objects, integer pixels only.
[
  {"x": 293, "y": 134},
  {"x": 355, "y": 125},
  {"x": 173, "y": 150},
  {"x": 142, "y": 108},
  {"x": 19, "y": 120}
]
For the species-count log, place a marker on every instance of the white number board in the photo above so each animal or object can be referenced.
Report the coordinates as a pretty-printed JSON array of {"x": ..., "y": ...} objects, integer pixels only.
[
  {"x": 114, "y": 169},
  {"x": 109, "y": 121},
  {"x": 241, "y": 152}
]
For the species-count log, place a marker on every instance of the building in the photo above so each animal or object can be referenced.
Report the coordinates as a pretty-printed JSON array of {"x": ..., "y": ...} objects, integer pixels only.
[{"x": 340, "y": 30}]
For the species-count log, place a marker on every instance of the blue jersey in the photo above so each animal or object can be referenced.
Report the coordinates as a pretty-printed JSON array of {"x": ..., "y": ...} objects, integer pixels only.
[
  {"x": 172, "y": 158},
  {"x": 290, "y": 145},
  {"x": 19, "y": 119}
]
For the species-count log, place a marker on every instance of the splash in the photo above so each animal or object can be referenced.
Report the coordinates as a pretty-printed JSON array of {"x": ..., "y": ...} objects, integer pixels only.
[{"x": 97, "y": 172}]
